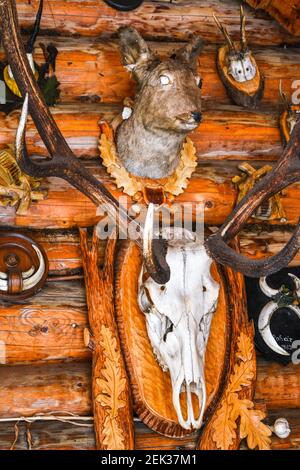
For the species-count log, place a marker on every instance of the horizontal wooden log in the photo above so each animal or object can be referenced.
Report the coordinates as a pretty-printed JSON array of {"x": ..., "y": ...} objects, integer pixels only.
[
  {"x": 162, "y": 19},
  {"x": 90, "y": 70},
  {"x": 210, "y": 188},
  {"x": 49, "y": 329},
  {"x": 64, "y": 254},
  {"x": 32, "y": 389},
  {"x": 54, "y": 435},
  {"x": 62, "y": 248},
  {"x": 283, "y": 12},
  {"x": 226, "y": 133},
  {"x": 29, "y": 391}
]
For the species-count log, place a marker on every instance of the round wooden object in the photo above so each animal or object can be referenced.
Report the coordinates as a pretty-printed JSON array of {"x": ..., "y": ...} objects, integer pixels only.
[
  {"x": 18, "y": 256},
  {"x": 246, "y": 94}
]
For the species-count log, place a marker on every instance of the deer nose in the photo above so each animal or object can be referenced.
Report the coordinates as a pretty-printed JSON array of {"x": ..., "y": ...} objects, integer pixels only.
[{"x": 197, "y": 116}]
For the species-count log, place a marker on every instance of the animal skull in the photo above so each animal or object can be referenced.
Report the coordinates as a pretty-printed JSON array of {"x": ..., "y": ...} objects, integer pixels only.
[
  {"x": 178, "y": 318},
  {"x": 241, "y": 67}
]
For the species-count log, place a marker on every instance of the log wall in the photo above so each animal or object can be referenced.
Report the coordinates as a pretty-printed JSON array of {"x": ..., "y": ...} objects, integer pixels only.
[{"x": 44, "y": 365}]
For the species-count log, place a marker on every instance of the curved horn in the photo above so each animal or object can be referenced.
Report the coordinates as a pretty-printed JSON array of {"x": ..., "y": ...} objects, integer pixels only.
[
  {"x": 263, "y": 324},
  {"x": 266, "y": 289},
  {"x": 225, "y": 33},
  {"x": 36, "y": 29},
  {"x": 286, "y": 172},
  {"x": 243, "y": 30},
  {"x": 27, "y": 274},
  {"x": 283, "y": 97},
  {"x": 154, "y": 251},
  {"x": 63, "y": 163},
  {"x": 33, "y": 280}
]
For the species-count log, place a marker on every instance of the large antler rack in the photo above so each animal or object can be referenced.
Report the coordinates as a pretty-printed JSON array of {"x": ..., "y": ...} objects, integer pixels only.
[{"x": 63, "y": 163}]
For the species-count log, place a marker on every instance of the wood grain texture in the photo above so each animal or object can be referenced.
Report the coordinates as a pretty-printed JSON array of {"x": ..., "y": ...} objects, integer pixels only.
[
  {"x": 287, "y": 13},
  {"x": 215, "y": 434},
  {"x": 32, "y": 389},
  {"x": 90, "y": 70},
  {"x": 54, "y": 435},
  {"x": 49, "y": 329},
  {"x": 226, "y": 132},
  {"x": 158, "y": 19},
  {"x": 112, "y": 410},
  {"x": 210, "y": 186}
]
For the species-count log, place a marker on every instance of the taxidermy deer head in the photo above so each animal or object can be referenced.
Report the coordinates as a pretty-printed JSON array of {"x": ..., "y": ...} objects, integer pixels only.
[
  {"x": 167, "y": 106},
  {"x": 237, "y": 67},
  {"x": 179, "y": 271}
]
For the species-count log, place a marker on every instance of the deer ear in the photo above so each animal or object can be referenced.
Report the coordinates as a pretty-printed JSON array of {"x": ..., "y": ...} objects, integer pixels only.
[
  {"x": 136, "y": 55},
  {"x": 190, "y": 52}
]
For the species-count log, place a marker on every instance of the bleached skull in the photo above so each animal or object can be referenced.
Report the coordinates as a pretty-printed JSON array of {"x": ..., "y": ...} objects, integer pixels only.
[
  {"x": 241, "y": 67},
  {"x": 178, "y": 317}
]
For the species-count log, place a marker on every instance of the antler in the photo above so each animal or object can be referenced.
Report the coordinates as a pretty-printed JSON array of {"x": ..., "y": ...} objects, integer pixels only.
[
  {"x": 243, "y": 30},
  {"x": 225, "y": 33},
  {"x": 283, "y": 97},
  {"x": 286, "y": 172},
  {"x": 63, "y": 163}
]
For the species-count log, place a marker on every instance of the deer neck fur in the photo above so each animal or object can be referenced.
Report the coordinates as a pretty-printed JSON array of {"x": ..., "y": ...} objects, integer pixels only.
[{"x": 148, "y": 152}]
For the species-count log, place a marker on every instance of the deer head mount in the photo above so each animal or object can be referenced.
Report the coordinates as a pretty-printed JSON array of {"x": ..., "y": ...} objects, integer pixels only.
[
  {"x": 167, "y": 106},
  {"x": 158, "y": 252},
  {"x": 289, "y": 116},
  {"x": 237, "y": 67}
]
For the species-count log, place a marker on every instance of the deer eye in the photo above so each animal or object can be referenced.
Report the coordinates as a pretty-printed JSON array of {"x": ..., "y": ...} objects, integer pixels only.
[
  {"x": 164, "y": 80},
  {"x": 198, "y": 81}
]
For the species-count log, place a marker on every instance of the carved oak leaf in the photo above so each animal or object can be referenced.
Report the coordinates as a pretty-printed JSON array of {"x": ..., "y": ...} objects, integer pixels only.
[
  {"x": 111, "y": 385},
  {"x": 224, "y": 427},
  {"x": 251, "y": 426},
  {"x": 233, "y": 407}
]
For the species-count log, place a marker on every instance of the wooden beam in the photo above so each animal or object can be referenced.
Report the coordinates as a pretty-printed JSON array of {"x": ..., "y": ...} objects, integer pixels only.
[
  {"x": 54, "y": 435},
  {"x": 90, "y": 70},
  {"x": 32, "y": 389},
  {"x": 211, "y": 187},
  {"x": 153, "y": 19},
  {"x": 226, "y": 133},
  {"x": 286, "y": 13}
]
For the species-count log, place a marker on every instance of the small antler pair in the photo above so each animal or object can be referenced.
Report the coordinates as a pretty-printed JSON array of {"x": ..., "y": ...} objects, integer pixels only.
[{"x": 227, "y": 36}]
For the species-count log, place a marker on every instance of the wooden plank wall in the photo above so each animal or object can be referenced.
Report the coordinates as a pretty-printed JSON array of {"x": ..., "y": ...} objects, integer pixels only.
[{"x": 45, "y": 367}]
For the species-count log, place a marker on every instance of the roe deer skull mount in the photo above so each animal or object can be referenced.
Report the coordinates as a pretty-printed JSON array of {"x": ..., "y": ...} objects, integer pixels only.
[
  {"x": 238, "y": 68},
  {"x": 158, "y": 253},
  {"x": 167, "y": 106}
]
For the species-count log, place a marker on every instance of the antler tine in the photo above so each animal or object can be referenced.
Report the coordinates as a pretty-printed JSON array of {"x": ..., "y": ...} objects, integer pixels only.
[
  {"x": 225, "y": 33},
  {"x": 286, "y": 172},
  {"x": 63, "y": 163},
  {"x": 243, "y": 30},
  {"x": 283, "y": 96}
]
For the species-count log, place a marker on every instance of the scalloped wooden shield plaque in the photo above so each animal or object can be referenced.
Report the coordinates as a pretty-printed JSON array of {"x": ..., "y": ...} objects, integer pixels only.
[{"x": 150, "y": 385}]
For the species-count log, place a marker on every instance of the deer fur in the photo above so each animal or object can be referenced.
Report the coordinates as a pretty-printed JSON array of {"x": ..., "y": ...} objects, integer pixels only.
[{"x": 167, "y": 105}]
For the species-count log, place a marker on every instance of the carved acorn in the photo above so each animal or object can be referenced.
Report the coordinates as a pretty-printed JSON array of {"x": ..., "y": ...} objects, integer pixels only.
[
  {"x": 238, "y": 69},
  {"x": 281, "y": 428}
]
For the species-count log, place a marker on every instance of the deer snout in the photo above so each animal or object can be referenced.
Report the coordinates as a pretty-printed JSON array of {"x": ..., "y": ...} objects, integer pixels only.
[{"x": 197, "y": 116}]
